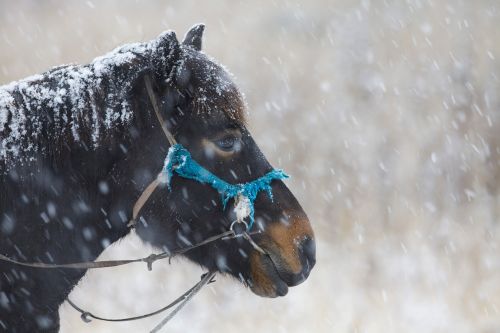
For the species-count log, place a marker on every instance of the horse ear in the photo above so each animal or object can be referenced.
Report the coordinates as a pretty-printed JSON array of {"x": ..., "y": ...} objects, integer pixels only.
[
  {"x": 164, "y": 53},
  {"x": 194, "y": 36}
]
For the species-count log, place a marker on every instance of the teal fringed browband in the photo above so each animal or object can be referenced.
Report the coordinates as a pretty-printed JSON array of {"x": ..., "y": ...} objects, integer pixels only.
[{"x": 179, "y": 160}]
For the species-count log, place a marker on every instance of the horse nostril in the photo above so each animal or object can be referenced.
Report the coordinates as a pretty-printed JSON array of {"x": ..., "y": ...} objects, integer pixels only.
[{"x": 308, "y": 250}]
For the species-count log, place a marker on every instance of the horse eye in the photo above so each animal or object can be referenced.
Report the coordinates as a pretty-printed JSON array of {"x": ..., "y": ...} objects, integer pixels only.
[{"x": 228, "y": 143}]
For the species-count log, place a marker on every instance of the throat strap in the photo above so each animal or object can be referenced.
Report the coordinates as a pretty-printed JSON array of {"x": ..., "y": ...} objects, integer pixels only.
[
  {"x": 146, "y": 194},
  {"x": 154, "y": 102},
  {"x": 142, "y": 200}
]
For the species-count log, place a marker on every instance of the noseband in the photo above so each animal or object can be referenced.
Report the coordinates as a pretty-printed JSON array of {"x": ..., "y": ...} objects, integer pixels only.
[{"x": 179, "y": 161}]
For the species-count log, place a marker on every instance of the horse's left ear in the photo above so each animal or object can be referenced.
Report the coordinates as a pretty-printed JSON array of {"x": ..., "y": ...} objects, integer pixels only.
[{"x": 194, "y": 36}]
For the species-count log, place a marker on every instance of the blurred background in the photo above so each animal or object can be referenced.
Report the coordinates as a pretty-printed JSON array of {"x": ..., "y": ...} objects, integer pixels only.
[{"x": 387, "y": 115}]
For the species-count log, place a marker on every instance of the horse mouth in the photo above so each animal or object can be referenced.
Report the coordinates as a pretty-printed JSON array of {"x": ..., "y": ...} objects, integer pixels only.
[
  {"x": 272, "y": 273},
  {"x": 265, "y": 278}
]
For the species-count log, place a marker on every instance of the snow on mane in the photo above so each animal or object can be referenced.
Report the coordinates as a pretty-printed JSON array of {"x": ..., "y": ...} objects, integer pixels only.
[
  {"x": 86, "y": 104},
  {"x": 81, "y": 102}
]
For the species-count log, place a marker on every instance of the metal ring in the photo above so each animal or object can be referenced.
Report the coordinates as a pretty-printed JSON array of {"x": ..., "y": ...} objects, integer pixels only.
[
  {"x": 231, "y": 228},
  {"x": 86, "y": 317}
]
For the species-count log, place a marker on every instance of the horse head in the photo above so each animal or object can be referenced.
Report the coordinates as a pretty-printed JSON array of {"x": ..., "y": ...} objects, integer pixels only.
[{"x": 205, "y": 111}]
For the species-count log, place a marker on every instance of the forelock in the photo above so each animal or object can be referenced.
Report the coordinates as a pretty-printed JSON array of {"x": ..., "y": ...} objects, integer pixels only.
[{"x": 211, "y": 85}]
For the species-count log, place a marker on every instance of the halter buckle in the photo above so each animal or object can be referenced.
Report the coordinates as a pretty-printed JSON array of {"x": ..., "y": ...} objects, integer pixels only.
[
  {"x": 86, "y": 317},
  {"x": 236, "y": 230}
]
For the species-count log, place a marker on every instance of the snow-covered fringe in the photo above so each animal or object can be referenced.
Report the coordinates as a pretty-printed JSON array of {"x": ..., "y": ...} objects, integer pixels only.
[{"x": 78, "y": 102}]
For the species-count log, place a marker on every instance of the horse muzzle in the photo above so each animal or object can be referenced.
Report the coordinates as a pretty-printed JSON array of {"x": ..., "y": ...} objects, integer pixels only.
[{"x": 290, "y": 256}]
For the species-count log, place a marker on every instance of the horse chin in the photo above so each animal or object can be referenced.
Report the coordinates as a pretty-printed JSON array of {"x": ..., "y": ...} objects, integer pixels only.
[{"x": 265, "y": 280}]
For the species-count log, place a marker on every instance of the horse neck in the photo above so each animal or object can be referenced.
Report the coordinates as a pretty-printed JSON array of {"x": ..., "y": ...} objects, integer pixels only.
[{"x": 92, "y": 188}]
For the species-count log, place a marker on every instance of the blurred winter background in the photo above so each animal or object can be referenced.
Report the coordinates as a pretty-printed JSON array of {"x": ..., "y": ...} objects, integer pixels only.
[{"x": 386, "y": 113}]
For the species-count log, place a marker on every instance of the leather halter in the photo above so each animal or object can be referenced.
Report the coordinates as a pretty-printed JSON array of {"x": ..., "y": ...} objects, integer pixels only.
[{"x": 144, "y": 197}]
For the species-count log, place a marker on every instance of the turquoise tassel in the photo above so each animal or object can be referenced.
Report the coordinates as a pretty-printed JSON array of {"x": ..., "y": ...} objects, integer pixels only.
[{"x": 179, "y": 160}]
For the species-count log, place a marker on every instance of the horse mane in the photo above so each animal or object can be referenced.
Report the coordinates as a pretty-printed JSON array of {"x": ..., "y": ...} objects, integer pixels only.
[
  {"x": 83, "y": 104},
  {"x": 88, "y": 105}
]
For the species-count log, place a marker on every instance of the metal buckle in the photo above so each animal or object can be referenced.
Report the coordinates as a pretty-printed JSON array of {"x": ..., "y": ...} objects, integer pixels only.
[
  {"x": 239, "y": 233},
  {"x": 245, "y": 234}
]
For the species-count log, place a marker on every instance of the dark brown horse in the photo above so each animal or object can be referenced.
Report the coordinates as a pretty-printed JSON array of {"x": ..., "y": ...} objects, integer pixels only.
[{"x": 78, "y": 145}]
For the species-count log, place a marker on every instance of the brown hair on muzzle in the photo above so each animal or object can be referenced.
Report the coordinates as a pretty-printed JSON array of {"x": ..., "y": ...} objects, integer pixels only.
[{"x": 291, "y": 255}]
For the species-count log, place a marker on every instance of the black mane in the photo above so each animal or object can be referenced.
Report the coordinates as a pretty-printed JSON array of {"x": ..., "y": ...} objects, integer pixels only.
[{"x": 78, "y": 104}]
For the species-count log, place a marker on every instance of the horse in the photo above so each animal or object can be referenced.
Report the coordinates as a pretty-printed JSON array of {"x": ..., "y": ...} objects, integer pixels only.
[{"x": 79, "y": 144}]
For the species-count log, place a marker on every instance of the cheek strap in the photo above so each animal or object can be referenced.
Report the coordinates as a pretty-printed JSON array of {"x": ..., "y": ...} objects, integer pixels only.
[{"x": 179, "y": 160}]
